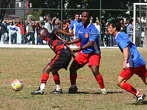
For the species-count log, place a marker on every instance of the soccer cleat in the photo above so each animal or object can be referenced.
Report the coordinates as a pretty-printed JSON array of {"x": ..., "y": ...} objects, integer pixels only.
[
  {"x": 103, "y": 91},
  {"x": 38, "y": 92},
  {"x": 140, "y": 99},
  {"x": 72, "y": 90},
  {"x": 57, "y": 92}
]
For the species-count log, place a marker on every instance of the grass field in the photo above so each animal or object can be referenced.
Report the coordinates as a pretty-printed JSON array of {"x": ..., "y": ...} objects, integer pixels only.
[{"x": 27, "y": 65}]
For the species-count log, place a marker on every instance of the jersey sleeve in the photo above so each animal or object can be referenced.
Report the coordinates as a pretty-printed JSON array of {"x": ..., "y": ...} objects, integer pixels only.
[
  {"x": 93, "y": 34},
  {"x": 71, "y": 26},
  {"x": 122, "y": 42},
  {"x": 47, "y": 39}
]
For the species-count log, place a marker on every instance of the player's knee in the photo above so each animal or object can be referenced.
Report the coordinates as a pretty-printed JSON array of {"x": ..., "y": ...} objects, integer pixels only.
[{"x": 119, "y": 83}]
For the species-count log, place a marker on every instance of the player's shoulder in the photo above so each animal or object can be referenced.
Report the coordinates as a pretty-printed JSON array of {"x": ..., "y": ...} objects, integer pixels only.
[{"x": 92, "y": 27}]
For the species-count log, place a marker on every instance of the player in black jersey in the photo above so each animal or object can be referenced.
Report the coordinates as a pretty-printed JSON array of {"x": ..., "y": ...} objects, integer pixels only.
[{"x": 60, "y": 60}]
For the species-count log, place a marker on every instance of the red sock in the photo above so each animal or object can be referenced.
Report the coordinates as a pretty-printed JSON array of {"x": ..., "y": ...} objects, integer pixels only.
[
  {"x": 126, "y": 86},
  {"x": 56, "y": 78},
  {"x": 73, "y": 78},
  {"x": 44, "y": 77},
  {"x": 99, "y": 79}
]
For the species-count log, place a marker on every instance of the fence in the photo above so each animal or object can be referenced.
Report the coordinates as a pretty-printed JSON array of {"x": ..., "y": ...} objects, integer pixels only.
[{"x": 55, "y": 16}]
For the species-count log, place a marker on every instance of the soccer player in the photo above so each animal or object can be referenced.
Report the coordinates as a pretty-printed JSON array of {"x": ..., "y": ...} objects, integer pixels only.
[
  {"x": 60, "y": 60},
  {"x": 88, "y": 52},
  {"x": 74, "y": 27},
  {"x": 133, "y": 62}
]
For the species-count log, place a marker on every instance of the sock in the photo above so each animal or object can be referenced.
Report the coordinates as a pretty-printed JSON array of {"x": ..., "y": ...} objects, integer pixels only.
[
  {"x": 99, "y": 79},
  {"x": 58, "y": 87},
  {"x": 126, "y": 86},
  {"x": 56, "y": 78},
  {"x": 138, "y": 93},
  {"x": 44, "y": 78},
  {"x": 42, "y": 86},
  {"x": 73, "y": 78}
]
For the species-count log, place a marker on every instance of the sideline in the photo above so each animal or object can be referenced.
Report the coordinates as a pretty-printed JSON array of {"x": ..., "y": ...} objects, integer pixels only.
[{"x": 37, "y": 46}]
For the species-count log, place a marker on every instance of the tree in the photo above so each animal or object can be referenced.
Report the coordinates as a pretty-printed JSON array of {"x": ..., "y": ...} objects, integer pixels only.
[{"x": 3, "y": 4}]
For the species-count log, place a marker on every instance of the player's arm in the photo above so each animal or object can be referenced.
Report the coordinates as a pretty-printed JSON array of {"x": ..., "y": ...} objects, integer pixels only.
[
  {"x": 89, "y": 44},
  {"x": 73, "y": 41},
  {"x": 63, "y": 32},
  {"x": 125, "y": 57}
]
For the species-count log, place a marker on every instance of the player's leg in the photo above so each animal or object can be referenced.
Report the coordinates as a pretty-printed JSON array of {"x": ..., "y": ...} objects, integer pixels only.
[
  {"x": 122, "y": 82},
  {"x": 44, "y": 79},
  {"x": 94, "y": 63},
  {"x": 73, "y": 76},
  {"x": 58, "y": 89},
  {"x": 142, "y": 73}
]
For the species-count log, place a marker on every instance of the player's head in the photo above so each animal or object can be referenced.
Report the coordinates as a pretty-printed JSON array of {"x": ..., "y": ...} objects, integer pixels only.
[
  {"x": 85, "y": 17},
  {"x": 114, "y": 27},
  {"x": 43, "y": 33},
  {"x": 77, "y": 17}
]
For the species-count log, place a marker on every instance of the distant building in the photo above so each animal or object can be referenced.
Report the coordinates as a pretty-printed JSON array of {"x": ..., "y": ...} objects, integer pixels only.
[
  {"x": 15, "y": 8},
  {"x": 19, "y": 4}
]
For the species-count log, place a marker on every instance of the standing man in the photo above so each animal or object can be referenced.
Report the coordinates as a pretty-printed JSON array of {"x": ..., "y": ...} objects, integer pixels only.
[
  {"x": 88, "y": 52},
  {"x": 74, "y": 26},
  {"x": 133, "y": 62},
  {"x": 31, "y": 32}
]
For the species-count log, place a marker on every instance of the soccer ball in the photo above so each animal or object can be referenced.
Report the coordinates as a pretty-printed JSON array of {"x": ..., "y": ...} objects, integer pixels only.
[{"x": 16, "y": 85}]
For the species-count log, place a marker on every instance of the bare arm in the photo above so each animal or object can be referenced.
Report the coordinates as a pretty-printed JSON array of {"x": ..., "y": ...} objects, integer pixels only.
[
  {"x": 89, "y": 44},
  {"x": 73, "y": 41},
  {"x": 65, "y": 33},
  {"x": 125, "y": 57}
]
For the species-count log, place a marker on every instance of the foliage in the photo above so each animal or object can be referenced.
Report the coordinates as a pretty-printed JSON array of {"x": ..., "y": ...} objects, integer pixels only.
[
  {"x": 3, "y": 4},
  {"x": 35, "y": 13}
]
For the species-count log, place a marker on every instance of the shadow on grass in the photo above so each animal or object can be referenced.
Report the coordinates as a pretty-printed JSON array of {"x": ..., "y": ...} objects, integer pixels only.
[
  {"x": 143, "y": 103},
  {"x": 79, "y": 92}
]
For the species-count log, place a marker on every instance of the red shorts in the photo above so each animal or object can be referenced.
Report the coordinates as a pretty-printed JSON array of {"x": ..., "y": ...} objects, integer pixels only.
[
  {"x": 128, "y": 73},
  {"x": 92, "y": 60}
]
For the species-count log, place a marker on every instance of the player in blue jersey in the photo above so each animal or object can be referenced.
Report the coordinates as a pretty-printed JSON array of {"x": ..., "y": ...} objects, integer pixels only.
[
  {"x": 88, "y": 52},
  {"x": 74, "y": 27},
  {"x": 133, "y": 62}
]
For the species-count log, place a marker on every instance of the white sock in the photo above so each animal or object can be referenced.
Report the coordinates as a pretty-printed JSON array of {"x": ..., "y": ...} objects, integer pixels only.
[
  {"x": 58, "y": 87},
  {"x": 42, "y": 86}
]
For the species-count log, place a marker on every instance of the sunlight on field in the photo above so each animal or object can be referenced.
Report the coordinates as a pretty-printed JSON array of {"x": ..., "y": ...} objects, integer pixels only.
[{"x": 27, "y": 65}]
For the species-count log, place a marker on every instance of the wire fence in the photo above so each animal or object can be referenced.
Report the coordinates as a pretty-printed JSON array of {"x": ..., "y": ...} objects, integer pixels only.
[{"x": 52, "y": 18}]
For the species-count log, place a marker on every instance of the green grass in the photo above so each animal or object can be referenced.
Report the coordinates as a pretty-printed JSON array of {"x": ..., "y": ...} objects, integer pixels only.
[{"x": 27, "y": 65}]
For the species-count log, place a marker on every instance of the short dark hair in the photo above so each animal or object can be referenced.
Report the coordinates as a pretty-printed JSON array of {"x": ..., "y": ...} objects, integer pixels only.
[
  {"x": 88, "y": 13},
  {"x": 116, "y": 24}
]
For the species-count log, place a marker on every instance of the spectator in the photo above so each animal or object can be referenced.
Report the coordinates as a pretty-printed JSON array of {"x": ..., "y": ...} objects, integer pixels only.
[
  {"x": 13, "y": 32},
  {"x": 31, "y": 31},
  {"x": 21, "y": 27},
  {"x": 4, "y": 32}
]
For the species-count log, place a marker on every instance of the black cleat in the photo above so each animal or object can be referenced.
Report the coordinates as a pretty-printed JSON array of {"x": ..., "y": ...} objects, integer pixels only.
[
  {"x": 38, "y": 92},
  {"x": 139, "y": 100},
  {"x": 57, "y": 92},
  {"x": 72, "y": 90}
]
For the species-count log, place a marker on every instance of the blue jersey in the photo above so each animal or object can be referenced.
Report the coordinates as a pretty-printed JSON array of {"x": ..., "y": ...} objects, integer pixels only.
[
  {"x": 74, "y": 26},
  {"x": 134, "y": 59},
  {"x": 90, "y": 33}
]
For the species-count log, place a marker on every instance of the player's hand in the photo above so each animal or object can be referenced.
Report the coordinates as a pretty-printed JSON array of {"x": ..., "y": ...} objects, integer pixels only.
[
  {"x": 64, "y": 41},
  {"x": 124, "y": 66},
  {"x": 77, "y": 50}
]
